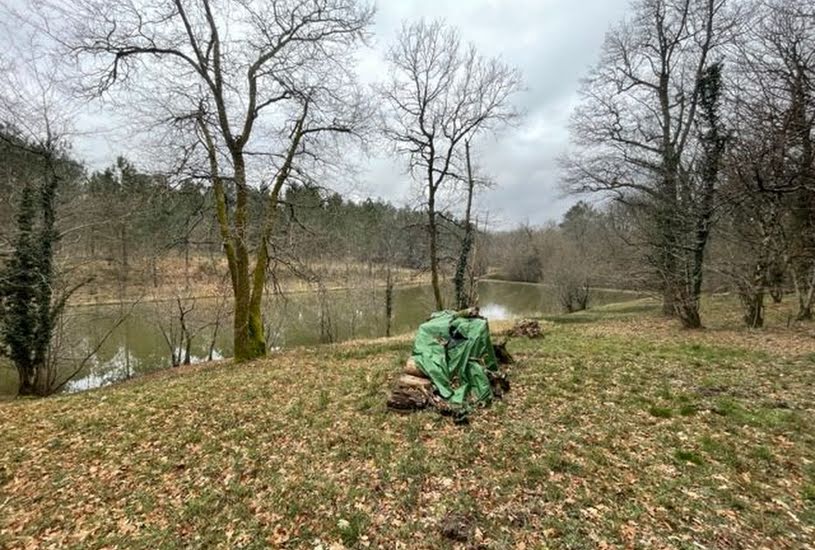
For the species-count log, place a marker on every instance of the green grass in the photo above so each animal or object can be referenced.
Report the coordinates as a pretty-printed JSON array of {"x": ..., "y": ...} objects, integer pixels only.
[
  {"x": 620, "y": 429},
  {"x": 8, "y": 380}
]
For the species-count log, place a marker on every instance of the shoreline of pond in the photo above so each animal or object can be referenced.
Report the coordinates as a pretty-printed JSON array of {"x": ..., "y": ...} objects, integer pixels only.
[
  {"x": 105, "y": 372},
  {"x": 141, "y": 346},
  {"x": 295, "y": 292},
  {"x": 552, "y": 285},
  {"x": 335, "y": 288}
]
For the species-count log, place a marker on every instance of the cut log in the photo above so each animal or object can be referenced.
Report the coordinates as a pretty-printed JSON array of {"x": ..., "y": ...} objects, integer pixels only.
[
  {"x": 412, "y": 368},
  {"x": 408, "y": 398},
  {"x": 411, "y": 381},
  {"x": 411, "y": 392}
]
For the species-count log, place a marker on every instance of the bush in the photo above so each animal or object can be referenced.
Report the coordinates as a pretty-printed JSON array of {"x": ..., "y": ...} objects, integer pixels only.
[{"x": 573, "y": 293}]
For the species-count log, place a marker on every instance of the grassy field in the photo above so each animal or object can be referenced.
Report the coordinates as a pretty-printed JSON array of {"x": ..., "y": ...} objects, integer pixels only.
[{"x": 621, "y": 431}]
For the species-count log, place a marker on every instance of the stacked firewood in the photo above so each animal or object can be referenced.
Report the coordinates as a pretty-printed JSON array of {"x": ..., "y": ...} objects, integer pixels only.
[
  {"x": 413, "y": 390},
  {"x": 529, "y": 328}
]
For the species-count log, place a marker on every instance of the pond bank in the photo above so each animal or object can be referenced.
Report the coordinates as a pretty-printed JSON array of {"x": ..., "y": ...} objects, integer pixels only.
[{"x": 140, "y": 344}]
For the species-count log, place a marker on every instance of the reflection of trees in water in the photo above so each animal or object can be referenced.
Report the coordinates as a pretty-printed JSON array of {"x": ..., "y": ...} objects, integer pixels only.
[
  {"x": 187, "y": 321},
  {"x": 76, "y": 347},
  {"x": 324, "y": 316},
  {"x": 120, "y": 367},
  {"x": 102, "y": 371},
  {"x": 138, "y": 346},
  {"x": 291, "y": 319}
]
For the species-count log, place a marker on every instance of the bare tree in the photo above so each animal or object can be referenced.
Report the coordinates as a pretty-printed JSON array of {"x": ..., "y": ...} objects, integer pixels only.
[
  {"x": 465, "y": 272},
  {"x": 261, "y": 86},
  {"x": 751, "y": 232},
  {"x": 635, "y": 137},
  {"x": 441, "y": 93},
  {"x": 775, "y": 101}
]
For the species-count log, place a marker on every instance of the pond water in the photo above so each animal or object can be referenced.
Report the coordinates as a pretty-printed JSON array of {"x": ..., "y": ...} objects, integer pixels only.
[{"x": 143, "y": 342}]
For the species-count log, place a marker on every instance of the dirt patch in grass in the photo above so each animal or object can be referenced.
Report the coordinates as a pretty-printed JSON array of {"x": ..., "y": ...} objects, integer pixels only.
[{"x": 623, "y": 431}]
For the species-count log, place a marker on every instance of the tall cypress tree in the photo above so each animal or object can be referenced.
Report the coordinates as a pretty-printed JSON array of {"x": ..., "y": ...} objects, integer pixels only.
[
  {"x": 26, "y": 283},
  {"x": 19, "y": 291}
]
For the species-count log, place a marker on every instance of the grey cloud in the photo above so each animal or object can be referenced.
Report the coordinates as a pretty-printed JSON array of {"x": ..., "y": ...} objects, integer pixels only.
[{"x": 554, "y": 42}]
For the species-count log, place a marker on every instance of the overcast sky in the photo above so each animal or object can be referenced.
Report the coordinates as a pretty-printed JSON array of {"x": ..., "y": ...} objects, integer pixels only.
[{"x": 553, "y": 42}]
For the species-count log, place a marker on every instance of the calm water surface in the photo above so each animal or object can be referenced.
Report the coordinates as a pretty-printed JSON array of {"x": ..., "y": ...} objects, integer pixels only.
[{"x": 139, "y": 346}]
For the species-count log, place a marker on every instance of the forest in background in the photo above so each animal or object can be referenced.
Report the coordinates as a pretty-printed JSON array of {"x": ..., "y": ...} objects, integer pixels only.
[{"x": 133, "y": 235}]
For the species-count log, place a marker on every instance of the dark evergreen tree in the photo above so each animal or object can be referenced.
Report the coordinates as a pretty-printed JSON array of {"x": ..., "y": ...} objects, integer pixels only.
[
  {"x": 18, "y": 286},
  {"x": 28, "y": 311}
]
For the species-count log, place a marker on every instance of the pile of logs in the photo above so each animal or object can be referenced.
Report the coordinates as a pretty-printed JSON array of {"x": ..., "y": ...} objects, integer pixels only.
[
  {"x": 527, "y": 327},
  {"x": 413, "y": 390}
]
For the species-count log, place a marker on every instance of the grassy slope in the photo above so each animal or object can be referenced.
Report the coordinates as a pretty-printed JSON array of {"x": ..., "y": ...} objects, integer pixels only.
[{"x": 620, "y": 430}]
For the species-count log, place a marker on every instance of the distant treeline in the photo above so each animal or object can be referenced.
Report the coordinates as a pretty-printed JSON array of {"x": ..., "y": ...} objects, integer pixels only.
[{"x": 128, "y": 220}]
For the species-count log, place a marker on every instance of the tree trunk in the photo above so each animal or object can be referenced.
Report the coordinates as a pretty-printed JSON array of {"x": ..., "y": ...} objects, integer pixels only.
[
  {"x": 154, "y": 269},
  {"x": 250, "y": 342},
  {"x": 247, "y": 284},
  {"x": 434, "y": 258},
  {"x": 462, "y": 301},
  {"x": 30, "y": 308},
  {"x": 804, "y": 281},
  {"x": 186, "y": 263},
  {"x": 462, "y": 296},
  {"x": 34, "y": 380},
  {"x": 248, "y": 327},
  {"x": 667, "y": 261},
  {"x": 690, "y": 315},
  {"x": 27, "y": 386},
  {"x": 124, "y": 267},
  {"x": 668, "y": 301},
  {"x": 388, "y": 301},
  {"x": 753, "y": 302},
  {"x": 803, "y": 126},
  {"x": 698, "y": 219},
  {"x": 754, "y": 314},
  {"x": 214, "y": 338}
]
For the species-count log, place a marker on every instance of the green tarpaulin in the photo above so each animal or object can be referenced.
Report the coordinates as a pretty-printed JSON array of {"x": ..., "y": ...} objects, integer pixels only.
[{"x": 455, "y": 351}]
